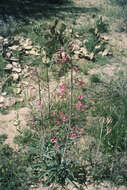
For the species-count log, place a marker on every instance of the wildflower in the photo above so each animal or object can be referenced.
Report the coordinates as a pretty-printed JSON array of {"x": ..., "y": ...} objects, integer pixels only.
[
  {"x": 39, "y": 106},
  {"x": 82, "y": 110},
  {"x": 57, "y": 122},
  {"x": 77, "y": 68},
  {"x": 63, "y": 87},
  {"x": 39, "y": 80},
  {"x": 54, "y": 139},
  {"x": 80, "y": 97},
  {"x": 79, "y": 105},
  {"x": 54, "y": 113},
  {"x": 80, "y": 83},
  {"x": 73, "y": 135},
  {"x": 59, "y": 59},
  {"x": 62, "y": 116},
  {"x": 60, "y": 95}
]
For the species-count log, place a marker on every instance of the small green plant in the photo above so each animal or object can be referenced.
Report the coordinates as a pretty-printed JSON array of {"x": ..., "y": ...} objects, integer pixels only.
[
  {"x": 95, "y": 43},
  {"x": 7, "y": 86},
  {"x": 2, "y": 67},
  {"x": 101, "y": 25},
  {"x": 95, "y": 78},
  {"x": 54, "y": 169}
]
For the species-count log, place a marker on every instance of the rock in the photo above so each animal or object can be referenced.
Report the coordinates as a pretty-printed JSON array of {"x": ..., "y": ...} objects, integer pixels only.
[
  {"x": 5, "y": 42},
  {"x": 2, "y": 99},
  {"x": 28, "y": 47},
  {"x": 14, "y": 59},
  {"x": 15, "y": 76},
  {"x": 15, "y": 64},
  {"x": 91, "y": 56},
  {"x": 8, "y": 54},
  {"x": 16, "y": 122},
  {"x": 106, "y": 38},
  {"x": 14, "y": 47},
  {"x": 17, "y": 91},
  {"x": 17, "y": 70},
  {"x": 33, "y": 52},
  {"x": 9, "y": 67},
  {"x": 4, "y": 94},
  {"x": 105, "y": 52},
  {"x": 17, "y": 38}
]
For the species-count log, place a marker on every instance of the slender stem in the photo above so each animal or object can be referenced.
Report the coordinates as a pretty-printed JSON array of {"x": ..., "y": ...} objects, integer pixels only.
[
  {"x": 71, "y": 94},
  {"x": 48, "y": 91},
  {"x": 40, "y": 99}
]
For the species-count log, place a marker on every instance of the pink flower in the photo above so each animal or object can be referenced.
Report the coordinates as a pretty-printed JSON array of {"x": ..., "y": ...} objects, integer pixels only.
[
  {"x": 54, "y": 113},
  {"x": 79, "y": 105},
  {"x": 60, "y": 60},
  {"x": 57, "y": 122},
  {"x": 60, "y": 94},
  {"x": 54, "y": 139},
  {"x": 77, "y": 68},
  {"x": 80, "y": 83},
  {"x": 39, "y": 106},
  {"x": 63, "y": 87},
  {"x": 82, "y": 110},
  {"x": 39, "y": 80},
  {"x": 73, "y": 135},
  {"x": 62, "y": 116},
  {"x": 80, "y": 97}
]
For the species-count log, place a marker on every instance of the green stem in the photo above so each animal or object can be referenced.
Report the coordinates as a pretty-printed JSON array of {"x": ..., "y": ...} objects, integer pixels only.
[
  {"x": 48, "y": 92},
  {"x": 71, "y": 94}
]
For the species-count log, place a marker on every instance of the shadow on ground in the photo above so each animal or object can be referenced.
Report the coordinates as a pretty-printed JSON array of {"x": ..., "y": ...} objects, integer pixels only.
[{"x": 27, "y": 9}]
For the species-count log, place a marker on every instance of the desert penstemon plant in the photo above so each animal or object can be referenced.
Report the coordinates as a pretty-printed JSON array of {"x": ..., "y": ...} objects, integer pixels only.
[{"x": 53, "y": 163}]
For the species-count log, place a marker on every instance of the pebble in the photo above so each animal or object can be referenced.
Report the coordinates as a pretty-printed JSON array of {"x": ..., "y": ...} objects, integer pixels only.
[
  {"x": 9, "y": 67},
  {"x": 2, "y": 99},
  {"x": 17, "y": 70},
  {"x": 15, "y": 76}
]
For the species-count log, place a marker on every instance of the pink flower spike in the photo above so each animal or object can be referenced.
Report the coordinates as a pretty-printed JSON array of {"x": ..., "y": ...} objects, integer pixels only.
[
  {"x": 80, "y": 83},
  {"x": 80, "y": 97},
  {"x": 40, "y": 106},
  {"x": 79, "y": 105},
  {"x": 57, "y": 122},
  {"x": 82, "y": 110},
  {"x": 62, "y": 116},
  {"x": 63, "y": 87},
  {"x": 54, "y": 139},
  {"x": 59, "y": 60},
  {"x": 54, "y": 113},
  {"x": 77, "y": 68},
  {"x": 39, "y": 80},
  {"x": 74, "y": 135},
  {"x": 60, "y": 95}
]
